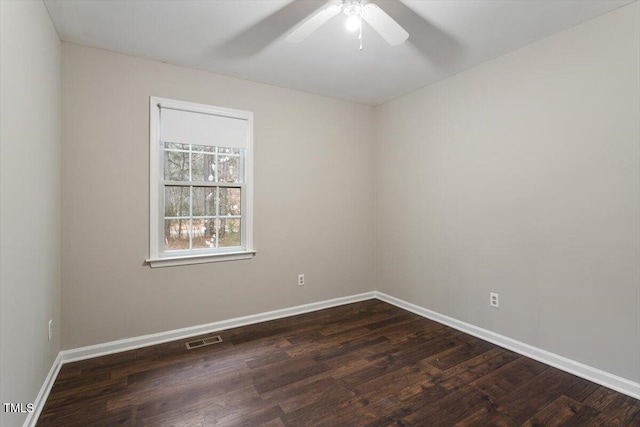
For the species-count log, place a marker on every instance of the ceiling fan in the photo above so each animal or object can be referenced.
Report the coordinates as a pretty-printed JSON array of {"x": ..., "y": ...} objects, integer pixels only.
[{"x": 356, "y": 11}]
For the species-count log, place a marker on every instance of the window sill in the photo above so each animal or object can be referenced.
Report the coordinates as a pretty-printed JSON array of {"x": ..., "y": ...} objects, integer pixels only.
[{"x": 199, "y": 259}]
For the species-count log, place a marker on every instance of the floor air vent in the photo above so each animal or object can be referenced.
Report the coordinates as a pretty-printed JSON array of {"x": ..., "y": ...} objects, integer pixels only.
[{"x": 201, "y": 343}]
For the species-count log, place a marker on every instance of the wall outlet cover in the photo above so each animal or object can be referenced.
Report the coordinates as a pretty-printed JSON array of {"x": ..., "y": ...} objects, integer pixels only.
[{"x": 494, "y": 300}]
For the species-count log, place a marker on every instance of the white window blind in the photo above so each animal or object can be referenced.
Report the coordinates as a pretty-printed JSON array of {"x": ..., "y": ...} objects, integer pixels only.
[{"x": 190, "y": 127}]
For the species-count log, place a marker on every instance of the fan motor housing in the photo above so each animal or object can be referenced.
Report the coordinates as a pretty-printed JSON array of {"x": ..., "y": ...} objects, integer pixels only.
[{"x": 352, "y": 7}]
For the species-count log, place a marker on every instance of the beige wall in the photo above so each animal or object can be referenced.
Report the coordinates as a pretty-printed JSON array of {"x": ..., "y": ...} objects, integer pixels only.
[
  {"x": 314, "y": 201},
  {"x": 30, "y": 105},
  {"x": 522, "y": 177}
]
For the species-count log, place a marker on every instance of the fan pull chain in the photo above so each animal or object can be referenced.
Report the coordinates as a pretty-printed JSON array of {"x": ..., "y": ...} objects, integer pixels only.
[{"x": 360, "y": 33}]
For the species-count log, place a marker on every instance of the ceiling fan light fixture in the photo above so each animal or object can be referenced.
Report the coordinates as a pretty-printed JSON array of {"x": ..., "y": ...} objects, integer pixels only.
[
  {"x": 356, "y": 11},
  {"x": 353, "y": 23}
]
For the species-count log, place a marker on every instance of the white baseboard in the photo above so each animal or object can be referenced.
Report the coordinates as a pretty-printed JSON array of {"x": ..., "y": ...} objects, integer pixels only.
[
  {"x": 595, "y": 375},
  {"x": 43, "y": 394},
  {"x": 177, "y": 334}
]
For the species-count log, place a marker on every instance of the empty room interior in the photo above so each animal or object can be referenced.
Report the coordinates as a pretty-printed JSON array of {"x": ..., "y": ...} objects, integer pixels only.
[{"x": 301, "y": 212}]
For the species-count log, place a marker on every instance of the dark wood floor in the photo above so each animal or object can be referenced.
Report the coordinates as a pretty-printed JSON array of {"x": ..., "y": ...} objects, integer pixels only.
[{"x": 363, "y": 364}]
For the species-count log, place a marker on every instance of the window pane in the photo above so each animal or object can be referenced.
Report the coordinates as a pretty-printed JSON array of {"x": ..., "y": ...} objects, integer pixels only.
[
  {"x": 230, "y": 201},
  {"x": 229, "y": 168},
  {"x": 204, "y": 201},
  {"x": 205, "y": 148},
  {"x": 204, "y": 233},
  {"x": 176, "y": 166},
  {"x": 229, "y": 232},
  {"x": 172, "y": 146},
  {"x": 176, "y": 234},
  {"x": 227, "y": 150},
  {"x": 202, "y": 167},
  {"x": 176, "y": 201}
]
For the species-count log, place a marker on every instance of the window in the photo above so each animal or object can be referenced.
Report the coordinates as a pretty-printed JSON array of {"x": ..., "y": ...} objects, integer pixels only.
[{"x": 200, "y": 183}]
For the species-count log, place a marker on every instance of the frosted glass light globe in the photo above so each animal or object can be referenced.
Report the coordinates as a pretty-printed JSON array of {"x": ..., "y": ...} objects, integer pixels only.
[{"x": 353, "y": 23}]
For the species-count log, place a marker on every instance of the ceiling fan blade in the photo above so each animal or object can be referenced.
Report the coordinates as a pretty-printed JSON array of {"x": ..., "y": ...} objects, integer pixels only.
[
  {"x": 313, "y": 23},
  {"x": 389, "y": 29}
]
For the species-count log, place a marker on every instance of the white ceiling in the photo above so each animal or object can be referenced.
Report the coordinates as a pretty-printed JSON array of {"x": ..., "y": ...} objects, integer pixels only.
[{"x": 245, "y": 38}]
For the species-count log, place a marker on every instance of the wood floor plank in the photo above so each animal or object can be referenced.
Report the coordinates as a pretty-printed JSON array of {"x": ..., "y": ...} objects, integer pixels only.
[
  {"x": 615, "y": 409},
  {"x": 450, "y": 409},
  {"x": 327, "y": 404},
  {"x": 523, "y": 402},
  {"x": 395, "y": 381},
  {"x": 302, "y": 394},
  {"x": 475, "y": 368},
  {"x": 393, "y": 409},
  {"x": 362, "y": 364},
  {"x": 286, "y": 372},
  {"x": 460, "y": 353},
  {"x": 72, "y": 414},
  {"x": 261, "y": 417},
  {"x": 199, "y": 401},
  {"x": 510, "y": 376},
  {"x": 215, "y": 383},
  {"x": 87, "y": 393},
  {"x": 222, "y": 407},
  {"x": 564, "y": 411}
]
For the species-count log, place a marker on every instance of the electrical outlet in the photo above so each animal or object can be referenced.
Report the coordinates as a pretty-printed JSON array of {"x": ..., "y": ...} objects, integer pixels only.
[
  {"x": 494, "y": 300},
  {"x": 300, "y": 279},
  {"x": 50, "y": 329}
]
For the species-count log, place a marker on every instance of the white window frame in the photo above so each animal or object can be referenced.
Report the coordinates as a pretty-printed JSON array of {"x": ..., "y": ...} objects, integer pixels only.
[{"x": 157, "y": 256}]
